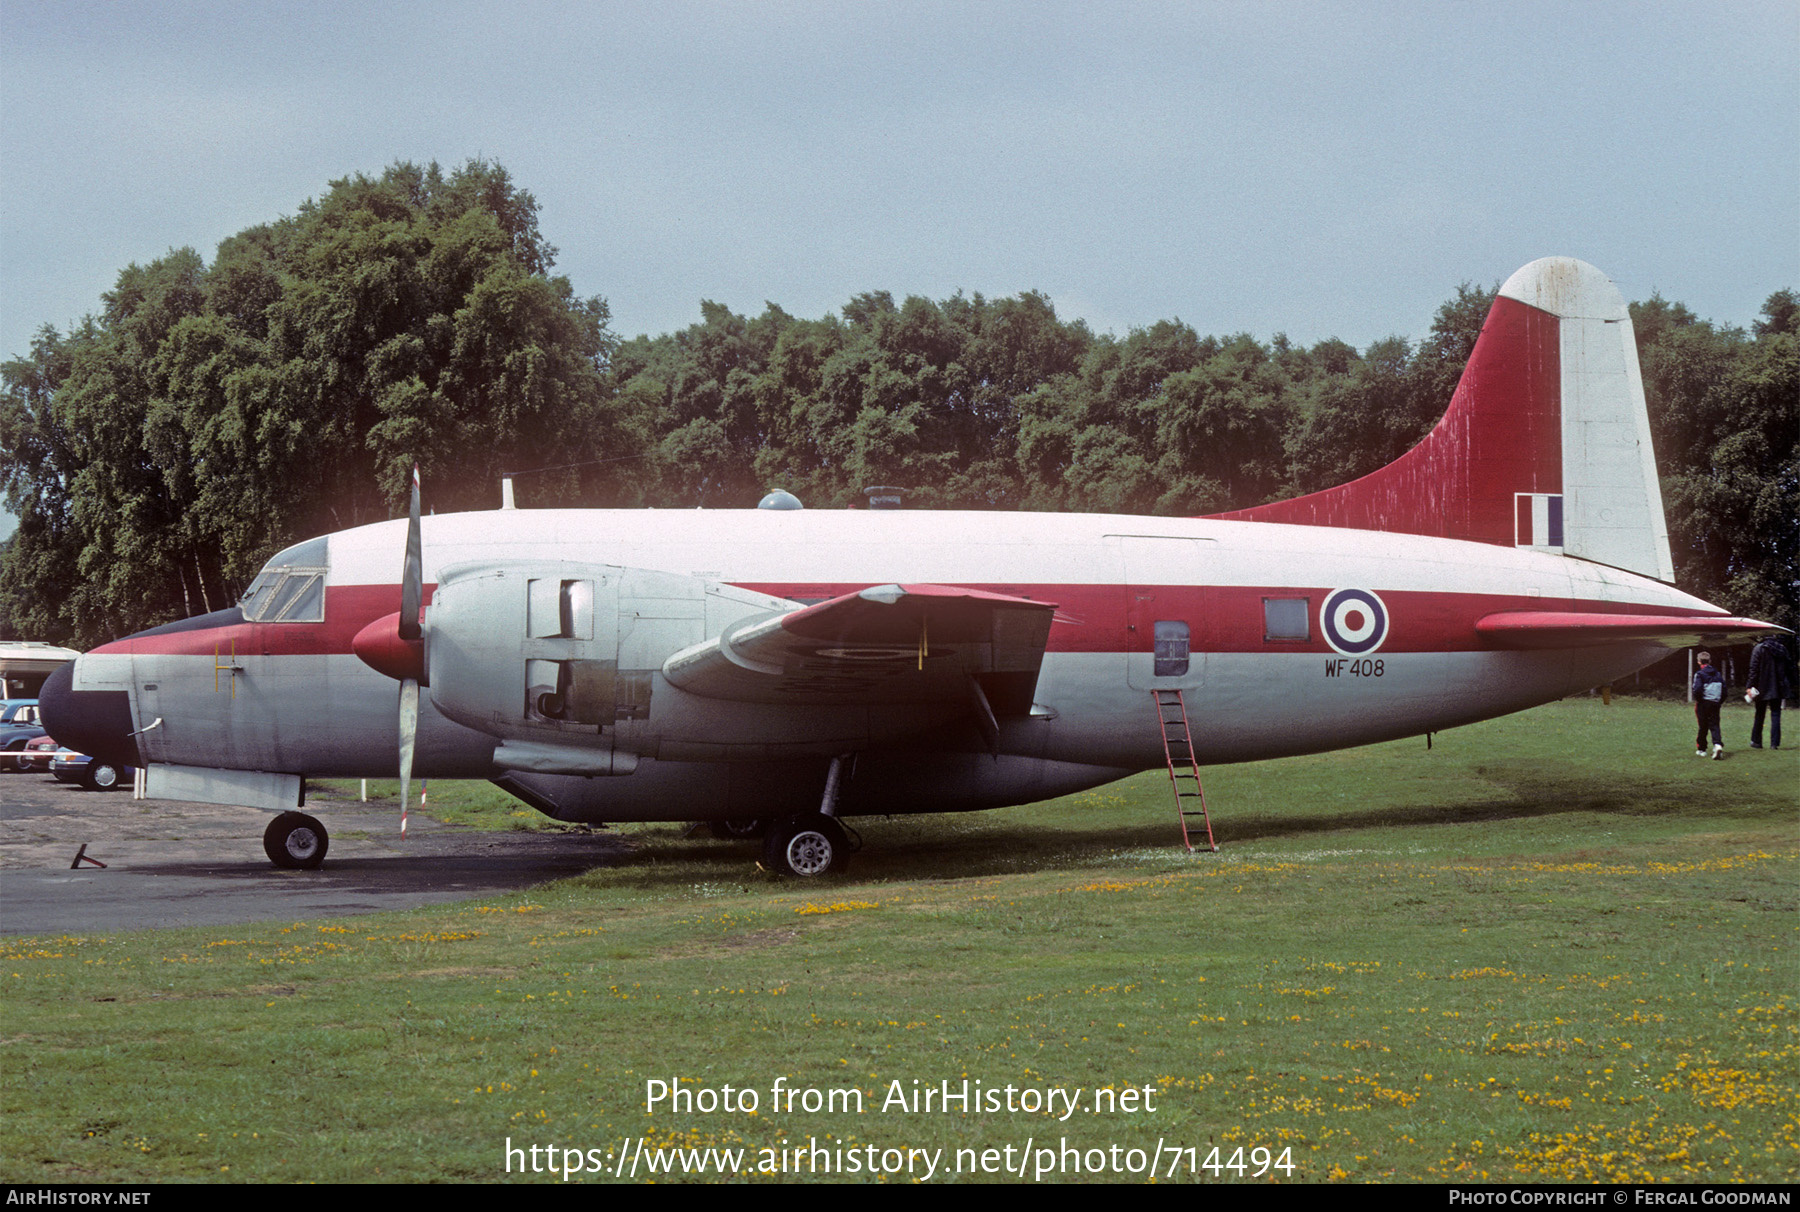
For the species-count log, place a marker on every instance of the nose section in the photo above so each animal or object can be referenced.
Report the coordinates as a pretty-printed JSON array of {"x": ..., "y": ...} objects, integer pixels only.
[{"x": 95, "y": 722}]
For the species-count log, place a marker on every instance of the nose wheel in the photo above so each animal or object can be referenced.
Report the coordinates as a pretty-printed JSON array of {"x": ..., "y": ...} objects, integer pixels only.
[{"x": 294, "y": 840}]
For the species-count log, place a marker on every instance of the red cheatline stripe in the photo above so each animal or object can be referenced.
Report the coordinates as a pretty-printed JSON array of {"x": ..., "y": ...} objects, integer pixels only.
[{"x": 1090, "y": 618}]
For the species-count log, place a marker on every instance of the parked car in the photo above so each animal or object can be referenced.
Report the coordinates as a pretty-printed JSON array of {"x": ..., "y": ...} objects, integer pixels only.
[
  {"x": 18, "y": 726},
  {"x": 35, "y": 758},
  {"x": 72, "y": 767}
]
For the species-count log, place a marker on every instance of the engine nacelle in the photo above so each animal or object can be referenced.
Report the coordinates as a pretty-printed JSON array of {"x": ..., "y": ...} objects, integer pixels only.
[{"x": 565, "y": 655}]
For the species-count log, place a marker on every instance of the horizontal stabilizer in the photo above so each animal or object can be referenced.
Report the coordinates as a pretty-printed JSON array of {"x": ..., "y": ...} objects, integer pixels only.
[
  {"x": 1538, "y": 629},
  {"x": 889, "y": 644}
]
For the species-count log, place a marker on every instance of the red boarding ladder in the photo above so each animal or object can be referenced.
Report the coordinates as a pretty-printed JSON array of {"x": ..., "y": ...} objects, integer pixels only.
[{"x": 1184, "y": 775}]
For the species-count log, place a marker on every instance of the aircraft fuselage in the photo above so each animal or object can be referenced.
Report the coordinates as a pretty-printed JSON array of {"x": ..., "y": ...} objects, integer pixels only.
[{"x": 1283, "y": 639}]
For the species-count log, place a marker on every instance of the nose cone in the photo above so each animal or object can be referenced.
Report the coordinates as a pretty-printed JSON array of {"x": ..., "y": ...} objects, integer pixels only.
[{"x": 95, "y": 722}]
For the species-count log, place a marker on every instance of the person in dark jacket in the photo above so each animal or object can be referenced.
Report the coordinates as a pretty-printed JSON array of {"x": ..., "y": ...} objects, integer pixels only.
[
  {"x": 1771, "y": 681},
  {"x": 1709, "y": 696}
]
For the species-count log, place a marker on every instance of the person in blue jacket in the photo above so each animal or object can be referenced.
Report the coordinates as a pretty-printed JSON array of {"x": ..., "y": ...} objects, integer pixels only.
[
  {"x": 1771, "y": 680},
  {"x": 1709, "y": 696}
]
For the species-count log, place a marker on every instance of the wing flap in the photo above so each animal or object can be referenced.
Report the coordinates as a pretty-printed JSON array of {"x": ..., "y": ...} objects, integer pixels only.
[
  {"x": 1549, "y": 629},
  {"x": 888, "y": 644}
]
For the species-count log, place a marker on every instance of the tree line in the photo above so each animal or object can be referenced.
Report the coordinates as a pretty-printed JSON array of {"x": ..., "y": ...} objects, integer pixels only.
[{"x": 209, "y": 415}]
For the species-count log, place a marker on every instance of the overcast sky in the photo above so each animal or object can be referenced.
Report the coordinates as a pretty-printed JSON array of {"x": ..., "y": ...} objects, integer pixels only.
[{"x": 1321, "y": 169}]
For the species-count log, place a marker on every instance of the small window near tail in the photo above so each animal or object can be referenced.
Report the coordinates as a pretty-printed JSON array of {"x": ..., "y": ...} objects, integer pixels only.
[
  {"x": 1171, "y": 660},
  {"x": 1285, "y": 621}
]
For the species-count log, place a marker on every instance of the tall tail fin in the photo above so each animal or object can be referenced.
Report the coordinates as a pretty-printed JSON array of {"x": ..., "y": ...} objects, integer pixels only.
[{"x": 1546, "y": 443}]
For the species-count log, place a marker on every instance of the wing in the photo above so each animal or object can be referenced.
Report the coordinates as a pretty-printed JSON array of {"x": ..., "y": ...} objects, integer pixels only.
[
  {"x": 890, "y": 644},
  {"x": 1572, "y": 629}
]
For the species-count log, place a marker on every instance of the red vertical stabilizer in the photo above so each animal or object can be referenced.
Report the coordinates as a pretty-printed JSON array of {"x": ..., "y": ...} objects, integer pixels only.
[{"x": 1502, "y": 436}]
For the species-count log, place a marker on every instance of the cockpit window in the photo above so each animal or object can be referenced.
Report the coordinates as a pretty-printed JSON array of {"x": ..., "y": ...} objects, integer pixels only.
[
  {"x": 257, "y": 596},
  {"x": 286, "y": 595},
  {"x": 300, "y": 598},
  {"x": 290, "y": 588}
]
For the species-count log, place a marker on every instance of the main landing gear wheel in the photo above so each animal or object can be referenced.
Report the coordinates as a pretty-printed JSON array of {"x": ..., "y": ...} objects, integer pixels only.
[
  {"x": 806, "y": 846},
  {"x": 295, "y": 840},
  {"x": 737, "y": 829}
]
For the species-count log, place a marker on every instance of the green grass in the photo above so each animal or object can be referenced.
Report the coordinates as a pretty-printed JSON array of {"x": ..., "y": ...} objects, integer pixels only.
[
  {"x": 1554, "y": 947},
  {"x": 479, "y": 805}
]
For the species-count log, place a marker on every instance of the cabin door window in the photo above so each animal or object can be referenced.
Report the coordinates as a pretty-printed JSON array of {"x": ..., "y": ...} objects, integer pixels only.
[{"x": 1170, "y": 656}]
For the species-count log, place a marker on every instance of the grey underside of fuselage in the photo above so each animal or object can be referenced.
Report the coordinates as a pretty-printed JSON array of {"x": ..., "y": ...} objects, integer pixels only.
[
  {"x": 330, "y": 716},
  {"x": 894, "y": 783}
]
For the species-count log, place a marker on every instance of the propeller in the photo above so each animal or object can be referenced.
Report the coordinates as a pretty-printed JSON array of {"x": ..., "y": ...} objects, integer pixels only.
[
  {"x": 395, "y": 645},
  {"x": 411, "y": 589},
  {"x": 411, "y": 572},
  {"x": 409, "y": 728}
]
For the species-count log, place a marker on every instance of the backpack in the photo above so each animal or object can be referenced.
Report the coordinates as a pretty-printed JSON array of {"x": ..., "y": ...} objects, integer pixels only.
[{"x": 1714, "y": 691}]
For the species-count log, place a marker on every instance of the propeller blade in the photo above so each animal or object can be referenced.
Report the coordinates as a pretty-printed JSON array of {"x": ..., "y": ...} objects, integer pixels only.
[
  {"x": 412, "y": 577},
  {"x": 409, "y": 728},
  {"x": 412, "y": 572}
]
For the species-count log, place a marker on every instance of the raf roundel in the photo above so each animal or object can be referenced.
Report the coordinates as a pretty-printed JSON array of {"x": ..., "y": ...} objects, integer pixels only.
[{"x": 1354, "y": 621}]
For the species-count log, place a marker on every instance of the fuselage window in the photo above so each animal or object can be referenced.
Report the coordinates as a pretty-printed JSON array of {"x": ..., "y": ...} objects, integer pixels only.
[
  {"x": 1285, "y": 621},
  {"x": 1171, "y": 649}
]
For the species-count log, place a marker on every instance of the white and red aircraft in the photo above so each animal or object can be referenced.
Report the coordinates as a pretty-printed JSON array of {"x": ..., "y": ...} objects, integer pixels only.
[{"x": 792, "y": 665}]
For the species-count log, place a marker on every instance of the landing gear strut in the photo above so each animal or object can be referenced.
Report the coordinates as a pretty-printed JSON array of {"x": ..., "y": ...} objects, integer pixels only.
[
  {"x": 295, "y": 840},
  {"x": 813, "y": 844}
]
